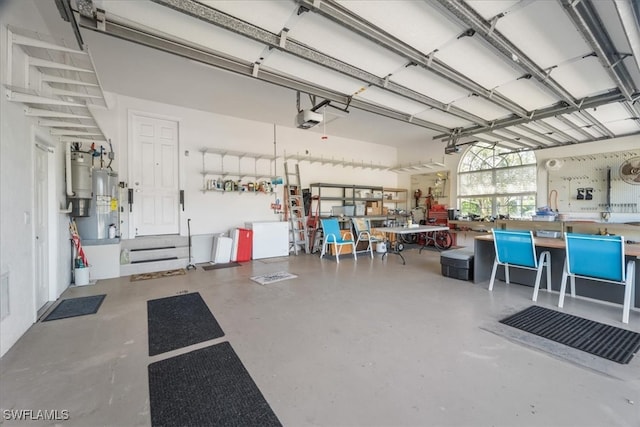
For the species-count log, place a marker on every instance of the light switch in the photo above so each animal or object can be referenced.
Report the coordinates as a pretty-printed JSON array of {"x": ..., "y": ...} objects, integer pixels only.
[{"x": 27, "y": 218}]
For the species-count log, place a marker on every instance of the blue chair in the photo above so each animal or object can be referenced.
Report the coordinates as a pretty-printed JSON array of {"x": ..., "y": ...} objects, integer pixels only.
[
  {"x": 598, "y": 258},
  {"x": 362, "y": 228},
  {"x": 332, "y": 236},
  {"x": 517, "y": 249}
]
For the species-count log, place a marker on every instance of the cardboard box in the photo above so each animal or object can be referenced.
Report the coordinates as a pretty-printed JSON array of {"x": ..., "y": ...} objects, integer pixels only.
[
  {"x": 373, "y": 210},
  {"x": 344, "y": 249}
]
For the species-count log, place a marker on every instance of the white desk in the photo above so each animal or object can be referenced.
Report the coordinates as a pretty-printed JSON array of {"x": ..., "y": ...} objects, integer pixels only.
[{"x": 408, "y": 230}]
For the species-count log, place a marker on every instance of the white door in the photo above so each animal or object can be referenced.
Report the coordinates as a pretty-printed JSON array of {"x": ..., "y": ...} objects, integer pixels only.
[
  {"x": 40, "y": 228},
  {"x": 154, "y": 176}
]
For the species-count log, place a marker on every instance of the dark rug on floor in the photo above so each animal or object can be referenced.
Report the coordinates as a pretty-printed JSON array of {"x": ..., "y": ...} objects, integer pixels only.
[
  {"x": 73, "y": 307},
  {"x": 206, "y": 387},
  {"x": 609, "y": 342},
  {"x": 208, "y": 267},
  {"x": 179, "y": 321}
]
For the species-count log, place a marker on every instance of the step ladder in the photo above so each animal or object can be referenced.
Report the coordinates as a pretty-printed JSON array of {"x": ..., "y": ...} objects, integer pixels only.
[
  {"x": 294, "y": 213},
  {"x": 313, "y": 225}
]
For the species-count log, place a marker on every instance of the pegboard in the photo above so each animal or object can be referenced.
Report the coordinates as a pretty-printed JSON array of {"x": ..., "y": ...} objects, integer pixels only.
[{"x": 581, "y": 184}]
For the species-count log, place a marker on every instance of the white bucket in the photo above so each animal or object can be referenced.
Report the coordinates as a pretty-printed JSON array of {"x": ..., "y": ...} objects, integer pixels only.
[
  {"x": 81, "y": 276},
  {"x": 381, "y": 247}
]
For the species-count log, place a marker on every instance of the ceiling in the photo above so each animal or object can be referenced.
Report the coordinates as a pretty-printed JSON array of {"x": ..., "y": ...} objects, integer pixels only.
[{"x": 523, "y": 75}]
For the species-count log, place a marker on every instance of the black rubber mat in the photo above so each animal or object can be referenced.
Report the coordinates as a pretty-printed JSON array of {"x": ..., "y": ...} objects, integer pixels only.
[
  {"x": 609, "y": 342},
  {"x": 73, "y": 307},
  {"x": 179, "y": 321},
  {"x": 206, "y": 387},
  {"x": 218, "y": 266}
]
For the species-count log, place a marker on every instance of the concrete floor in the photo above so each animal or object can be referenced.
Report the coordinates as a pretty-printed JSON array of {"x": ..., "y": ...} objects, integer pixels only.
[{"x": 352, "y": 344}]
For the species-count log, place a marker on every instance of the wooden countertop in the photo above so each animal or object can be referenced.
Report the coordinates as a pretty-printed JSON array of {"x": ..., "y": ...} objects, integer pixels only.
[{"x": 547, "y": 242}]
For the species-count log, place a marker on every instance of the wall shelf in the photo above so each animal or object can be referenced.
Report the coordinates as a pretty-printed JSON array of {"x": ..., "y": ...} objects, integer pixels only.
[
  {"x": 231, "y": 167},
  {"x": 336, "y": 162}
]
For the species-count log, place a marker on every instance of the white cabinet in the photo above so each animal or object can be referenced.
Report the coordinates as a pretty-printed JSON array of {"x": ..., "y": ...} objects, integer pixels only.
[
  {"x": 237, "y": 171},
  {"x": 270, "y": 239}
]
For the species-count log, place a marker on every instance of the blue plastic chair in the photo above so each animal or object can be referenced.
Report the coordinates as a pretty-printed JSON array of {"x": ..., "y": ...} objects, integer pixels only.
[
  {"x": 332, "y": 236},
  {"x": 599, "y": 258},
  {"x": 517, "y": 249}
]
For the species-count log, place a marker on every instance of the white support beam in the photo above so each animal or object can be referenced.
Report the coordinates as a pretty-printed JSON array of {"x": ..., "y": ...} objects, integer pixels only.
[
  {"x": 43, "y": 63},
  {"x": 73, "y": 94},
  {"x": 79, "y": 139},
  {"x": 57, "y": 79},
  {"x": 66, "y": 132},
  {"x": 27, "y": 41},
  {"x": 37, "y": 112},
  {"x": 63, "y": 124},
  {"x": 41, "y": 100}
]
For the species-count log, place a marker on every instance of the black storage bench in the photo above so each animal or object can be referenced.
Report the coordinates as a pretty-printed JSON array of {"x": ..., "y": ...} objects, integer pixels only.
[{"x": 457, "y": 263}]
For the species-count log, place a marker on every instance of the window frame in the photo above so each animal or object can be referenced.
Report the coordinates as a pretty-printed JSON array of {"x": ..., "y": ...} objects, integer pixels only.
[{"x": 494, "y": 196}]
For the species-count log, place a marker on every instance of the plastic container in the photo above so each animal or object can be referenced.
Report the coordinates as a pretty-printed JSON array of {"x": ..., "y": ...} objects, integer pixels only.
[
  {"x": 81, "y": 276},
  {"x": 457, "y": 264}
]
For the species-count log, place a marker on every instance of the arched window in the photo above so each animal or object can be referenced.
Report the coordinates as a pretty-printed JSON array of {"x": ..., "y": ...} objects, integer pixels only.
[{"x": 494, "y": 182}]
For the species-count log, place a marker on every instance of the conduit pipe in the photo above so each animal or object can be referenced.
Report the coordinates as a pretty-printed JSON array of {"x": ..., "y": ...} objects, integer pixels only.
[{"x": 67, "y": 158}]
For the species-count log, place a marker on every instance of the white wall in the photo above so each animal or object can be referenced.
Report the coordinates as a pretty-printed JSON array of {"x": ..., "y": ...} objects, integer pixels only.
[
  {"x": 215, "y": 212},
  {"x": 17, "y": 137},
  {"x": 609, "y": 146}
]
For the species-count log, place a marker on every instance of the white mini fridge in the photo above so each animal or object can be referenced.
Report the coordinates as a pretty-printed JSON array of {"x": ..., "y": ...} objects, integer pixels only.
[{"x": 221, "y": 251}]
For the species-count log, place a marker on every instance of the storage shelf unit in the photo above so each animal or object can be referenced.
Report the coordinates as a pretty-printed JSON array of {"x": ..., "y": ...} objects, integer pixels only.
[
  {"x": 255, "y": 166},
  {"x": 399, "y": 198},
  {"x": 345, "y": 194}
]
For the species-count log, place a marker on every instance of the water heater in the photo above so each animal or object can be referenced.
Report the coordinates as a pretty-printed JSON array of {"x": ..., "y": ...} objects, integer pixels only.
[
  {"x": 81, "y": 184},
  {"x": 103, "y": 210}
]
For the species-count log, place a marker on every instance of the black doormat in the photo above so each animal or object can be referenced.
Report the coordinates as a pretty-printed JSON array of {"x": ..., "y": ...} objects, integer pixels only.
[
  {"x": 609, "y": 342},
  {"x": 206, "y": 387},
  {"x": 208, "y": 267},
  {"x": 179, "y": 321},
  {"x": 73, "y": 307}
]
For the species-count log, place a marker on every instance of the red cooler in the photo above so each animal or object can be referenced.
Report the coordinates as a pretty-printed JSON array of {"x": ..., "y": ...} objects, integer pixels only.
[{"x": 245, "y": 237}]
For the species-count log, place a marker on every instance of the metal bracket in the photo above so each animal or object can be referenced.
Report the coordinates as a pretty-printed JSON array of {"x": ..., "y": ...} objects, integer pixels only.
[
  {"x": 101, "y": 21},
  {"x": 283, "y": 37}
]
